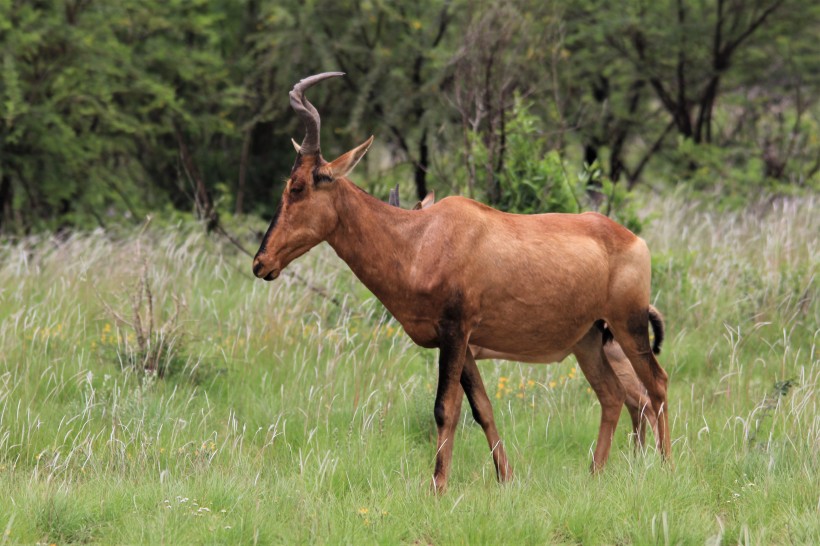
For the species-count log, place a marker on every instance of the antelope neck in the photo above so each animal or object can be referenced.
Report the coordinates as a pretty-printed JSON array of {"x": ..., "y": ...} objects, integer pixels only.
[{"x": 377, "y": 241}]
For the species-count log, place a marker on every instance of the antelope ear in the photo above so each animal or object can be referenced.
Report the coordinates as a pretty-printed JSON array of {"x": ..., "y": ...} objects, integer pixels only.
[
  {"x": 296, "y": 146},
  {"x": 343, "y": 164},
  {"x": 429, "y": 199}
]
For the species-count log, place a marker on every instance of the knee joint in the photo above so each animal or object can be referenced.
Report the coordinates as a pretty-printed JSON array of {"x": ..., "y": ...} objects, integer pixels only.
[
  {"x": 440, "y": 413},
  {"x": 479, "y": 418}
]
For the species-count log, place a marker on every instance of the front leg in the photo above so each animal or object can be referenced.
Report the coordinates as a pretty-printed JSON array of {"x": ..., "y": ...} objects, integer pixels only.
[{"x": 452, "y": 354}]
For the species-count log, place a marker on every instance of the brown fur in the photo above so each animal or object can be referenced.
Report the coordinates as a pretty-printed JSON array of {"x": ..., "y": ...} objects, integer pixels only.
[{"x": 459, "y": 274}]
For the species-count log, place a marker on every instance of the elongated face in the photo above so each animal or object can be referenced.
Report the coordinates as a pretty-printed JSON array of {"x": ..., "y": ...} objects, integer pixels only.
[
  {"x": 304, "y": 218},
  {"x": 307, "y": 213}
]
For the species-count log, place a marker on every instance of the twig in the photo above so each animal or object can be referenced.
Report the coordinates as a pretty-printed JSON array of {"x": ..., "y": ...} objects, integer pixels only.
[{"x": 218, "y": 228}]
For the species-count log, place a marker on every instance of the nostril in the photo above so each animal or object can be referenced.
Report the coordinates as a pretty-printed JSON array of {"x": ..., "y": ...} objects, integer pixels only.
[{"x": 257, "y": 267}]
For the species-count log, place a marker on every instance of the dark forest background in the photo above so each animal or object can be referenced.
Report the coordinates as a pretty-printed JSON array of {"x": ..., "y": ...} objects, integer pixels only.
[{"x": 111, "y": 110}]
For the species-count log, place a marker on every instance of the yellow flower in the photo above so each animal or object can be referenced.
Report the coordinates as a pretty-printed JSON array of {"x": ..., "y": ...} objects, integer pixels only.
[
  {"x": 530, "y": 383},
  {"x": 552, "y": 384},
  {"x": 363, "y": 511},
  {"x": 106, "y": 328}
]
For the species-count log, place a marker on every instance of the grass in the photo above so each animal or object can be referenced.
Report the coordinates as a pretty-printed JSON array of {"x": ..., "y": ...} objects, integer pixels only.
[{"x": 284, "y": 416}]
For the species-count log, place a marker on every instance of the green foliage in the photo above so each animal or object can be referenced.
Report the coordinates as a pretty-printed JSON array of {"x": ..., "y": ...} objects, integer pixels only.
[
  {"x": 610, "y": 198},
  {"x": 533, "y": 179},
  {"x": 536, "y": 179},
  {"x": 727, "y": 175},
  {"x": 643, "y": 80},
  {"x": 109, "y": 111},
  {"x": 97, "y": 101}
]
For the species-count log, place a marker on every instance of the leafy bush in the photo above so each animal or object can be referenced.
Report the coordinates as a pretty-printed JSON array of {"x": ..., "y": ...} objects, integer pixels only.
[
  {"x": 535, "y": 179},
  {"x": 531, "y": 180}
]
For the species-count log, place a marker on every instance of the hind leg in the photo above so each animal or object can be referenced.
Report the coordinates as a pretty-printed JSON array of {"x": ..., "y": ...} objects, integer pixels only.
[
  {"x": 610, "y": 392},
  {"x": 632, "y": 333},
  {"x": 637, "y": 401}
]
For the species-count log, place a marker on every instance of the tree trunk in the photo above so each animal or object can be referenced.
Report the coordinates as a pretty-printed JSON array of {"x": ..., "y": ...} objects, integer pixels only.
[
  {"x": 203, "y": 202},
  {"x": 5, "y": 201},
  {"x": 703, "y": 129},
  {"x": 243, "y": 172},
  {"x": 421, "y": 166}
]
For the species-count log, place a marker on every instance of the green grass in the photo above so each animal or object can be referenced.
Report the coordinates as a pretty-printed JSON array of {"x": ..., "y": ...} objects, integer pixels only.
[{"x": 285, "y": 417}]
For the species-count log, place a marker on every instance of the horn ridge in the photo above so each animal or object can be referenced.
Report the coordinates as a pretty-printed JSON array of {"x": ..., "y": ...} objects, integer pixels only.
[{"x": 307, "y": 112}]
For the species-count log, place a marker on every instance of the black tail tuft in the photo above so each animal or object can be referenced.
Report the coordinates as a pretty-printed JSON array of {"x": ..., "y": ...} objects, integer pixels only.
[{"x": 656, "y": 320}]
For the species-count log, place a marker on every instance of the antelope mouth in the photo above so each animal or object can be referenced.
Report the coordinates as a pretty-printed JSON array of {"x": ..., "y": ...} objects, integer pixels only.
[{"x": 259, "y": 270}]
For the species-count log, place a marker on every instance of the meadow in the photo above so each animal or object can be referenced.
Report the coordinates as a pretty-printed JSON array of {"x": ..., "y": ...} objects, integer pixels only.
[{"x": 298, "y": 411}]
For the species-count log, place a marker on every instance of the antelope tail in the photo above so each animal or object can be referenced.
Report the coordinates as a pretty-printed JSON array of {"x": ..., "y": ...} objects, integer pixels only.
[{"x": 656, "y": 320}]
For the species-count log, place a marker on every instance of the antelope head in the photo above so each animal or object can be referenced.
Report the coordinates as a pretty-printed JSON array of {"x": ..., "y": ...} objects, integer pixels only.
[{"x": 307, "y": 212}]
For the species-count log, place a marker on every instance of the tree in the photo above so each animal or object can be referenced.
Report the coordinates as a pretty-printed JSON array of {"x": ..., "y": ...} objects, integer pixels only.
[
  {"x": 501, "y": 53},
  {"x": 674, "y": 53},
  {"x": 107, "y": 108}
]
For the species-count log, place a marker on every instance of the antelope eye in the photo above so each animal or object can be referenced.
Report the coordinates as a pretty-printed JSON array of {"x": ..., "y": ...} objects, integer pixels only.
[{"x": 296, "y": 189}]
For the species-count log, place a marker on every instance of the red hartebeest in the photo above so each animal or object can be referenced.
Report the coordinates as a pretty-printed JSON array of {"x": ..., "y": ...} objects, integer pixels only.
[{"x": 531, "y": 288}]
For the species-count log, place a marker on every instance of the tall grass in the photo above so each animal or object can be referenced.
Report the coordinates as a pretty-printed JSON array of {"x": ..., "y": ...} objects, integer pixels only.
[{"x": 286, "y": 416}]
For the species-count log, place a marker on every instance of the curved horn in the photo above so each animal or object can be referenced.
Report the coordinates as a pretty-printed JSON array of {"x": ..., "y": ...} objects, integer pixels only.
[{"x": 306, "y": 111}]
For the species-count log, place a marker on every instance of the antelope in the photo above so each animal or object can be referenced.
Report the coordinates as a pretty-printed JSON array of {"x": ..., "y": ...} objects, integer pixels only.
[
  {"x": 460, "y": 274},
  {"x": 637, "y": 401}
]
